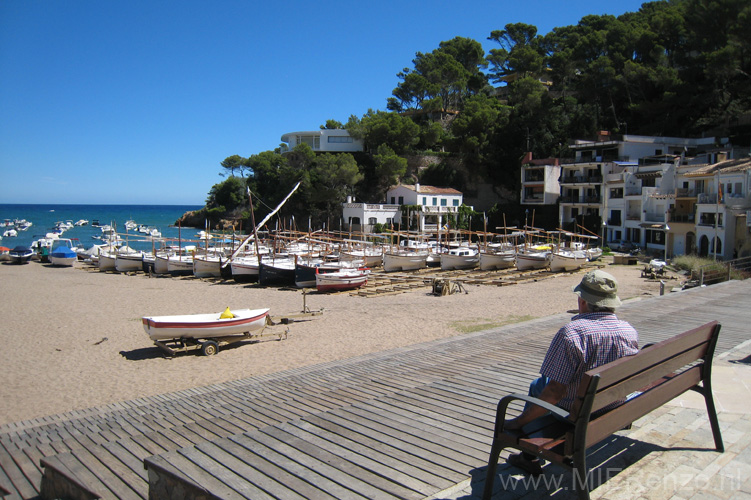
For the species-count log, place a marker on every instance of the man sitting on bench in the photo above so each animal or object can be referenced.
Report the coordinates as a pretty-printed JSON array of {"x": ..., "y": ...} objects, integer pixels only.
[{"x": 592, "y": 338}]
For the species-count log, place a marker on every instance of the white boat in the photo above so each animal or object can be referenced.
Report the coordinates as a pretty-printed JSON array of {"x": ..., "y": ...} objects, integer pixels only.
[
  {"x": 63, "y": 253},
  {"x": 181, "y": 264},
  {"x": 343, "y": 279},
  {"x": 564, "y": 259},
  {"x": 10, "y": 233},
  {"x": 503, "y": 259},
  {"x": 371, "y": 257},
  {"x": 127, "y": 259},
  {"x": 245, "y": 268},
  {"x": 462, "y": 257},
  {"x": 207, "y": 265},
  {"x": 593, "y": 253},
  {"x": 401, "y": 260},
  {"x": 532, "y": 259},
  {"x": 106, "y": 260},
  {"x": 161, "y": 262},
  {"x": 205, "y": 326},
  {"x": 81, "y": 222}
]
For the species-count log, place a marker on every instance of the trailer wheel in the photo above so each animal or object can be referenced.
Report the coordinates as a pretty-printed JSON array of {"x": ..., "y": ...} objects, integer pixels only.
[{"x": 209, "y": 348}]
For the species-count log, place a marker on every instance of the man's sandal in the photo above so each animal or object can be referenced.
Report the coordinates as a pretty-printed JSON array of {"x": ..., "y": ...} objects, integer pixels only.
[{"x": 532, "y": 467}]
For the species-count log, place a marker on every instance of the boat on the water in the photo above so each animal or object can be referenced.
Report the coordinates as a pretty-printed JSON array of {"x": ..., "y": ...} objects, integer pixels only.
[
  {"x": 20, "y": 254},
  {"x": 205, "y": 326}
]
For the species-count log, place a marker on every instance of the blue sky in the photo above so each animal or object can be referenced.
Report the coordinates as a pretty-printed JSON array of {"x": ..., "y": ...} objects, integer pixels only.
[{"x": 137, "y": 102}]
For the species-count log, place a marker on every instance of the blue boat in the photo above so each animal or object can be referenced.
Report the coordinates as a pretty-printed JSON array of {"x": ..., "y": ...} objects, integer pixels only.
[
  {"x": 62, "y": 256},
  {"x": 20, "y": 254}
]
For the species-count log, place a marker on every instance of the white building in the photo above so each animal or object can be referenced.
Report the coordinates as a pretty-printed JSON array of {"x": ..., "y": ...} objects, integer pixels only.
[
  {"x": 323, "y": 141},
  {"x": 540, "y": 184},
  {"x": 434, "y": 203},
  {"x": 431, "y": 207}
]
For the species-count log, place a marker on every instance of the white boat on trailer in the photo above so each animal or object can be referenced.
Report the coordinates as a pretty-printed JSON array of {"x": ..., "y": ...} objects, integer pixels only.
[
  {"x": 401, "y": 260},
  {"x": 206, "y": 332}
]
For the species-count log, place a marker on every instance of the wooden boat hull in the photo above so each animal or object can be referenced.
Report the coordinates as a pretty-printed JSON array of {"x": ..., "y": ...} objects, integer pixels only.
[
  {"x": 409, "y": 261},
  {"x": 567, "y": 261},
  {"x": 129, "y": 262},
  {"x": 278, "y": 273},
  {"x": 180, "y": 265},
  {"x": 490, "y": 261},
  {"x": 449, "y": 261},
  {"x": 106, "y": 262},
  {"x": 204, "y": 326},
  {"x": 161, "y": 264},
  {"x": 340, "y": 280},
  {"x": 207, "y": 267},
  {"x": 528, "y": 261}
]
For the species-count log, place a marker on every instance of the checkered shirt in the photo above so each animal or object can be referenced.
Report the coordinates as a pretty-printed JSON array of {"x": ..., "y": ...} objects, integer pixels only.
[{"x": 588, "y": 341}]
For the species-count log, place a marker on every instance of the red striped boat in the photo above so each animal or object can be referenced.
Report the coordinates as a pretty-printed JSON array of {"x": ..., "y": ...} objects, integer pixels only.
[{"x": 204, "y": 326}]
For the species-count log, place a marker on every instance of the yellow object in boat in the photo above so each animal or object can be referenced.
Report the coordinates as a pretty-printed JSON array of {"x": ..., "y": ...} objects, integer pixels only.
[{"x": 226, "y": 314}]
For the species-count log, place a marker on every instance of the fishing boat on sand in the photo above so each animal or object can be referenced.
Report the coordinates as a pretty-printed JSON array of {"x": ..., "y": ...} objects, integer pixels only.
[
  {"x": 20, "y": 254},
  {"x": 207, "y": 332},
  {"x": 204, "y": 326},
  {"x": 342, "y": 279}
]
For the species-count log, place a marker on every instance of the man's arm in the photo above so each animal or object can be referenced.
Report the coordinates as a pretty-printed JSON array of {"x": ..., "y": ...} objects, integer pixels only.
[{"x": 552, "y": 393}]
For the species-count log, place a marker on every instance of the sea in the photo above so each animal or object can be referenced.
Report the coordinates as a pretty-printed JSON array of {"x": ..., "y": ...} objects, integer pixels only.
[{"x": 45, "y": 217}]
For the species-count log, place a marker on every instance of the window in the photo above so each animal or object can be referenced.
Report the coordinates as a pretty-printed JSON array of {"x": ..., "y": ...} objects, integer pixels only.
[
  {"x": 455, "y": 203},
  {"x": 424, "y": 200},
  {"x": 401, "y": 200},
  {"x": 314, "y": 141},
  {"x": 372, "y": 221},
  {"x": 435, "y": 201},
  {"x": 339, "y": 139},
  {"x": 393, "y": 200},
  {"x": 444, "y": 202}
]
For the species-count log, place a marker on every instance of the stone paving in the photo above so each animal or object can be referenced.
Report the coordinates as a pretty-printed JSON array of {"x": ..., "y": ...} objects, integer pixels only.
[{"x": 666, "y": 455}]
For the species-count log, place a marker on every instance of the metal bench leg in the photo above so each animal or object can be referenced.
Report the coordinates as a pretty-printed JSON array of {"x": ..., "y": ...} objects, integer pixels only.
[
  {"x": 712, "y": 413},
  {"x": 580, "y": 476},
  {"x": 495, "y": 452}
]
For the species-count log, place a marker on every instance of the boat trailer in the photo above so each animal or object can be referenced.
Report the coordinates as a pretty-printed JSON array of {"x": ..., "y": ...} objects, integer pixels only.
[{"x": 210, "y": 346}]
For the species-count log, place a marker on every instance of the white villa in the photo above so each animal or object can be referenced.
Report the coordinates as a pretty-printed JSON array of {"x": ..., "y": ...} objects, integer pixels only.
[
  {"x": 432, "y": 203},
  {"x": 323, "y": 141}
]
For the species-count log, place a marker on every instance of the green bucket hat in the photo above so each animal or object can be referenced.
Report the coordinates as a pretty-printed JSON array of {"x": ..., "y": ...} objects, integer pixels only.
[{"x": 598, "y": 288}]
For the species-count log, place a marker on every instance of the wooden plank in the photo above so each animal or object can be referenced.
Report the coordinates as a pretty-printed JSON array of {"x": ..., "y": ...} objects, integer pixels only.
[
  {"x": 111, "y": 474},
  {"x": 187, "y": 467},
  {"x": 350, "y": 476}
]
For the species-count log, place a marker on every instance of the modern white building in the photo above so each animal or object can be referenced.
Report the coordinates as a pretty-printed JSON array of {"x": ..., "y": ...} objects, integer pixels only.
[{"x": 323, "y": 141}]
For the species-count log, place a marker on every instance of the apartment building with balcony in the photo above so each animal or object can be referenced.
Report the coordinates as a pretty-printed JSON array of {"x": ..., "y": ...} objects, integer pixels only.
[
  {"x": 540, "y": 185},
  {"x": 720, "y": 194}
]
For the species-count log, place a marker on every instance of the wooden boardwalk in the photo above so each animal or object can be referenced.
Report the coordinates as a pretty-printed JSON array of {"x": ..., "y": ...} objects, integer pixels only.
[{"x": 408, "y": 423}]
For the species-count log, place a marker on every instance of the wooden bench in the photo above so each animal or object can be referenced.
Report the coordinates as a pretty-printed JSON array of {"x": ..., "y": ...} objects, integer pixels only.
[{"x": 657, "y": 374}]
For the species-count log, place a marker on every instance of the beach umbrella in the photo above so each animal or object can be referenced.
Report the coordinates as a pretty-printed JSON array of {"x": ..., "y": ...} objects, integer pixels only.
[{"x": 4, "y": 249}]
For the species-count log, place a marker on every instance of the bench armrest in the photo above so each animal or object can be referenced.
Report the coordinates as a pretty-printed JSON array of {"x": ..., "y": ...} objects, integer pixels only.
[{"x": 504, "y": 402}]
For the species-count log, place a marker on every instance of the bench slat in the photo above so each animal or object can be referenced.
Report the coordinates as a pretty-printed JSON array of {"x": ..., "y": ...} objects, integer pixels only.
[
  {"x": 641, "y": 380},
  {"x": 618, "y": 418}
]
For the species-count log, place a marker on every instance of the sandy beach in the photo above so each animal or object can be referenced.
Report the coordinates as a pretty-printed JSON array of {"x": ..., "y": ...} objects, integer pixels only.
[{"x": 72, "y": 337}]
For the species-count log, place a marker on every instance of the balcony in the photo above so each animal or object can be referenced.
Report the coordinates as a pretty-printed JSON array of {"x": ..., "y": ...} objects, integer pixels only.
[
  {"x": 681, "y": 218},
  {"x": 614, "y": 222},
  {"x": 685, "y": 193},
  {"x": 580, "y": 199},
  {"x": 580, "y": 179},
  {"x": 538, "y": 198},
  {"x": 654, "y": 217},
  {"x": 431, "y": 210}
]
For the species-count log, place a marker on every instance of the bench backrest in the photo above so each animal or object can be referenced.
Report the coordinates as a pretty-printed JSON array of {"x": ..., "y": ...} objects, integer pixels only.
[{"x": 660, "y": 372}]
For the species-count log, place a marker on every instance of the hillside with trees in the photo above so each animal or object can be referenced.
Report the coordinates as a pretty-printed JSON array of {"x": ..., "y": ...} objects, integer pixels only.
[{"x": 678, "y": 68}]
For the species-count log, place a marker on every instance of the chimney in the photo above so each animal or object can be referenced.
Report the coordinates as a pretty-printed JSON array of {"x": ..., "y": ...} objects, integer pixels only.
[
  {"x": 527, "y": 158},
  {"x": 603, "y": 135},
  {"x": 417, "y": 187}
]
